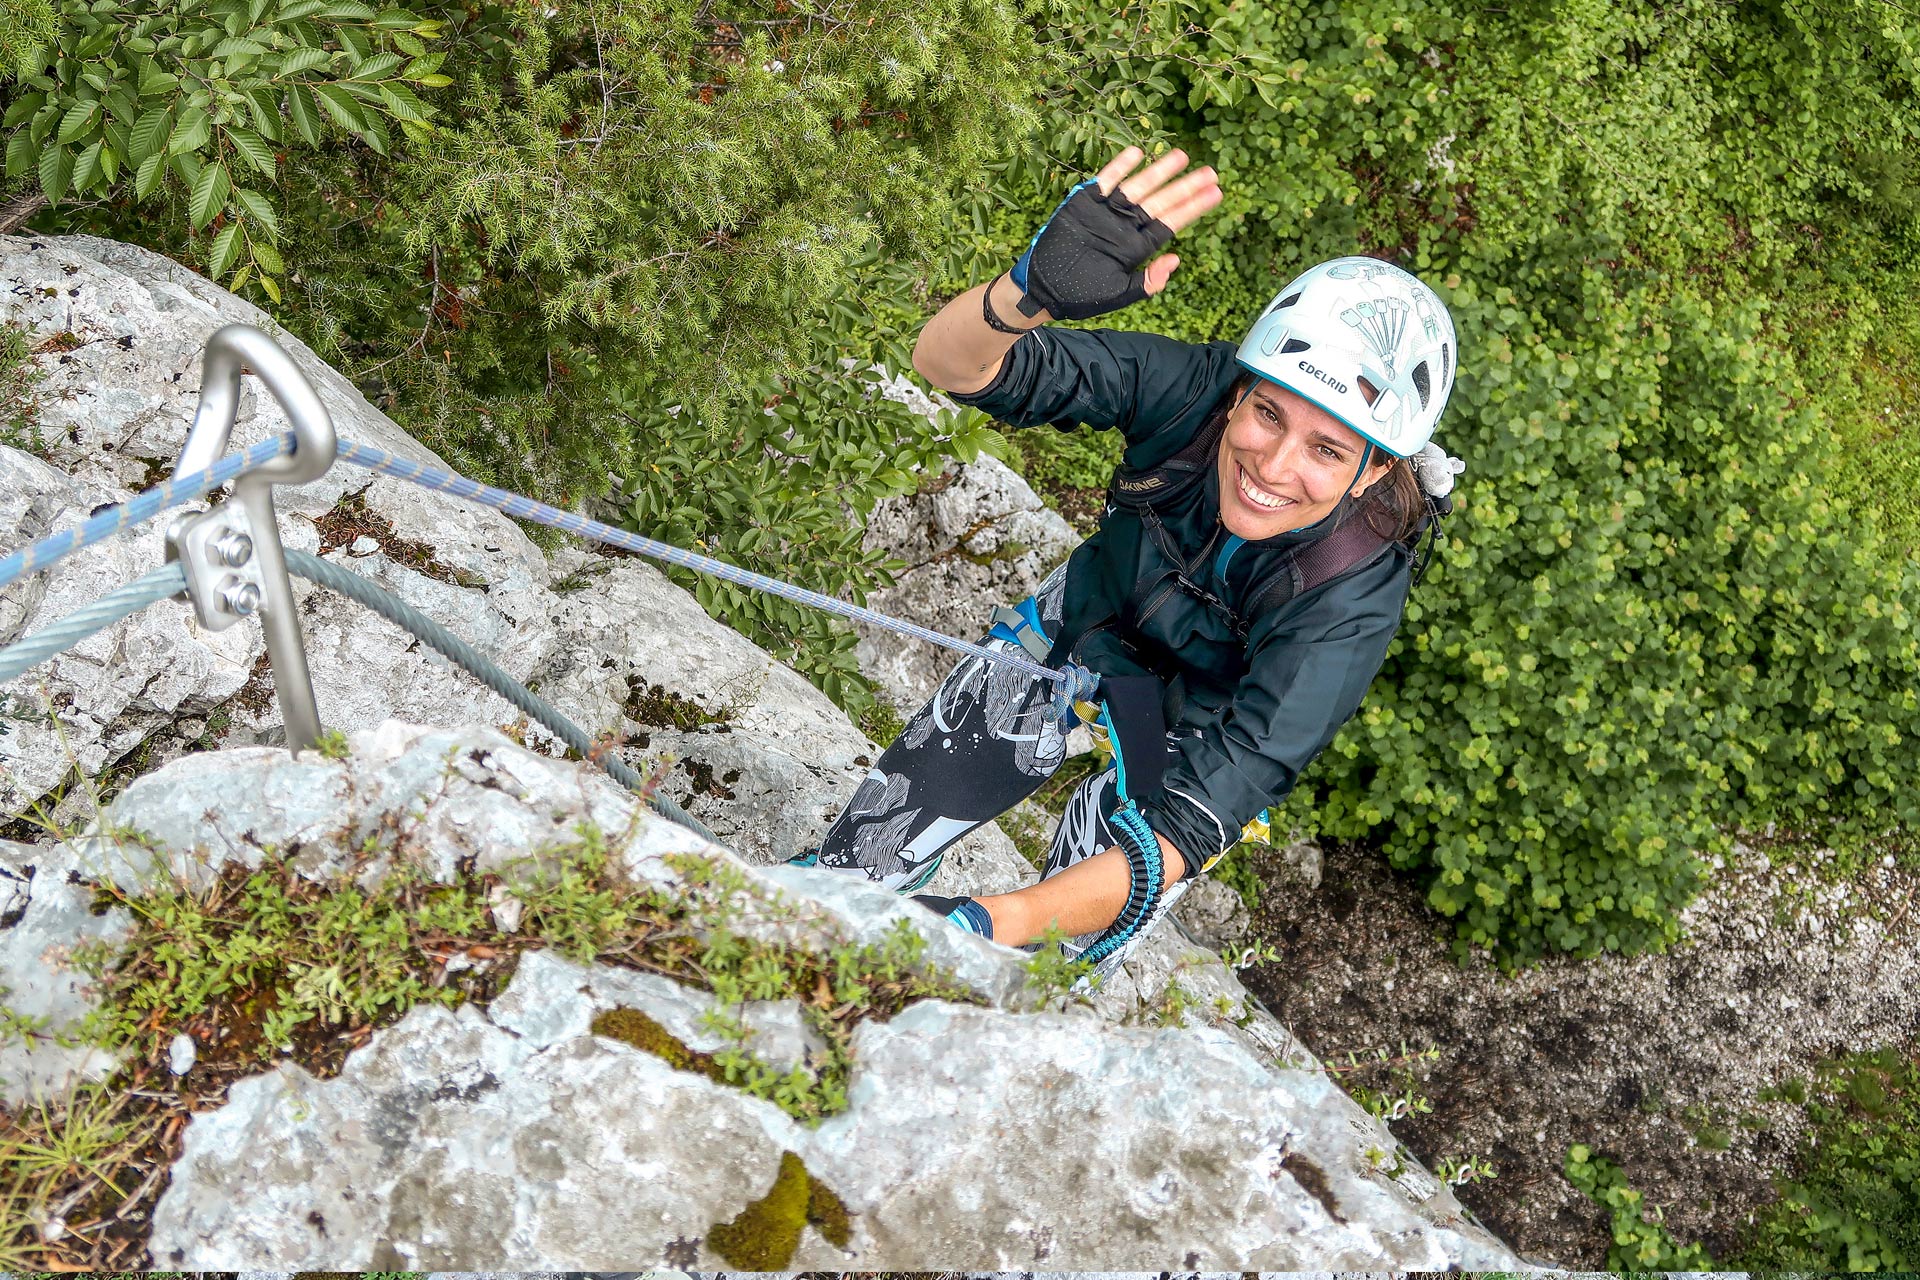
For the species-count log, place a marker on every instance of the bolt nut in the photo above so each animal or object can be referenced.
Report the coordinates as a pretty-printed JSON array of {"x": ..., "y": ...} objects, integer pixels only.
[
  {"x": 241, "y": 598},
  {"x": 232, "y": 548}
]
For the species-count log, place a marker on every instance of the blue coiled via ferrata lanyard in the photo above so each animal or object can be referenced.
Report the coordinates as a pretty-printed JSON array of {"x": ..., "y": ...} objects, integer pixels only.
[{"x": 1142, "y": 848}]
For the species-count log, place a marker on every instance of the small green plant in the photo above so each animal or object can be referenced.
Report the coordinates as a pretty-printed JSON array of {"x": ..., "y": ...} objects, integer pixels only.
[
  {"x": 20, "y": 381},
  {"x": 1458, "y": 1171},
  {"x": 54, "y": 1152},
  {"x": 1392, "y": 1163},
  {"x": 1051, "y": 976},
  {"x": 1400, "y": 1094},
  {"x": 1641, "y": 1240},
  {"x": 332, "y": 745},
  {"x": 881, "y": 722}
]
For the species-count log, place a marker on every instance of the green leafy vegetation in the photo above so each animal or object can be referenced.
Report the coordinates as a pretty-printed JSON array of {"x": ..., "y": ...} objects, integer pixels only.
[
  {"x": 1677, "y": 598},
  {"x": 1853, "y": 1203},
  {"x": 195, "y": 100},
  {"x": 1640, "y": 1240}
]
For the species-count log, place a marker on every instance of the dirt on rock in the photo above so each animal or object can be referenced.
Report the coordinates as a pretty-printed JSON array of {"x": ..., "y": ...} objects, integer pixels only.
[{"x": 1667, "y": 1064}]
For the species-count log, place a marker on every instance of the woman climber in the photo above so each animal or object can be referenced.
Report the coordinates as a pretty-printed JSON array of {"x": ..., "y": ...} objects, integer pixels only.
[{"x": 1254, "y": 556}]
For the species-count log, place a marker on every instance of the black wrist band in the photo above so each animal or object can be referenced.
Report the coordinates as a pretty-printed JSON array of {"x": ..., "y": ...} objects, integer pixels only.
[{"x": 994, "y": 321}]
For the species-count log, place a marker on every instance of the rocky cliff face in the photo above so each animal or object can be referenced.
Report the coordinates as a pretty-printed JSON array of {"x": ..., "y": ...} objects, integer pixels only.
[{"x": 976, "y": 1130}]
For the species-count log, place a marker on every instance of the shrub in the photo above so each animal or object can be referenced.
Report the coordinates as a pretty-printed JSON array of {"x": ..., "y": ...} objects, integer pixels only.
[{"x": 1664, "y": 612}]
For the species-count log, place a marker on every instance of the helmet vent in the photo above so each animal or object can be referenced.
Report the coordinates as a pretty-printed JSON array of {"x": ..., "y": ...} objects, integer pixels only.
[
  {"x": 1283, "y": 303},
  {"x": 1446, "y": 368},
  {"x": 1292, "y": 345},
  {"x": 1423, "y": 383}
]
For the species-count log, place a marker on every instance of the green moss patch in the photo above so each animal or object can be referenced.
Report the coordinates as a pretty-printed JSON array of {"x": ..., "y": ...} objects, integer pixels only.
[
  {"x": 765, "y": 1234},
  {"x": 631, "y": 1026}
]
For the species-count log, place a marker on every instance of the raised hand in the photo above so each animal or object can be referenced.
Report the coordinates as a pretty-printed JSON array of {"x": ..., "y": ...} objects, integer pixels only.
[{"x": 1095, "y": 254}]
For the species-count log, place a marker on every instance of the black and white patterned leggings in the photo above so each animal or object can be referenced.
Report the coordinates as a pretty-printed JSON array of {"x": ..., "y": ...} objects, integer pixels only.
[{"x": 982, "y": 745}]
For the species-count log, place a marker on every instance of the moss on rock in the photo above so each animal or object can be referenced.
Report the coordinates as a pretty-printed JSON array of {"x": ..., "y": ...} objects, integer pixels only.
[{"x": 765, "y": 1234}]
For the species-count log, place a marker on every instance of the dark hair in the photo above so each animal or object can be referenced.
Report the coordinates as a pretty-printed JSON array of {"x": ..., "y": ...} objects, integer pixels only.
[{"x": 1395, "y": 505}]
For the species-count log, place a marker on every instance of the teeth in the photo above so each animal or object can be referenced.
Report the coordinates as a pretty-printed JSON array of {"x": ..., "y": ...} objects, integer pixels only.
[{"x": 1257, "y": 497}]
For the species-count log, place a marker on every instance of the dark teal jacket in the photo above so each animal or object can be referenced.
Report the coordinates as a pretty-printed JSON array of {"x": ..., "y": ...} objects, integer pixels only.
[{"x": 1260, "y": 708}]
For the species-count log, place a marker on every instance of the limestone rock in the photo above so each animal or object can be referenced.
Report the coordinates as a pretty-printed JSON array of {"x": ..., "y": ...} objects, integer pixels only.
[
  {"x": 975, "y": 537},
  {"x": 994, "y": 1135},
  {"x": 45, "y": 913}
]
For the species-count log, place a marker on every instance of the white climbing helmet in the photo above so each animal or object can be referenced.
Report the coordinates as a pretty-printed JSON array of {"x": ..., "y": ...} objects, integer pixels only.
[{"x": 1355, "y": 318}]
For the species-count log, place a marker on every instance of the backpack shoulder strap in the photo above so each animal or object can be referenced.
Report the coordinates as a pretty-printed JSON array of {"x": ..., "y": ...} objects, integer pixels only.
[
  {"x": 1141, "y": 487},
  {"x": 1350, "y": 545}
]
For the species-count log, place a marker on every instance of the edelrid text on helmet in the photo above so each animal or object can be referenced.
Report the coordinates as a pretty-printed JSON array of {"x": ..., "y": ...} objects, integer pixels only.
[{"x": 1353, "y": 321}]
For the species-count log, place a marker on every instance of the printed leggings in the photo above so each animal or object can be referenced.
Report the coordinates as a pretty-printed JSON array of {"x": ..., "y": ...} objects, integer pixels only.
[{"x": 983, "y": 744}]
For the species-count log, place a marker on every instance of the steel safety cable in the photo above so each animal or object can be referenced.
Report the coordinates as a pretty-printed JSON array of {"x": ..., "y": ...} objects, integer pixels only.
[
  {"x": 1075, "y": 682},
  {"x": 489, "y": 673},
  {"x": 121, "y": 602},
  {"x": 55, "y": 547}
]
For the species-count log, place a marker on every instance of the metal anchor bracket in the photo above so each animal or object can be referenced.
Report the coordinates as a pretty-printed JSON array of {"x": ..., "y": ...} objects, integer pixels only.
[
  {"x": 216, "y": 550},
  {"x": 235, "y": 566}
]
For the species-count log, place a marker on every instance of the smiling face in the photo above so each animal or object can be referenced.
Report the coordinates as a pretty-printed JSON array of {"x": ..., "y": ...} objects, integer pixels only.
[{"x": 1285, "y": 463}]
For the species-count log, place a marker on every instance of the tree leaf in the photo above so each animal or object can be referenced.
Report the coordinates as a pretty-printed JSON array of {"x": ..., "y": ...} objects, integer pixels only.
[
  {"x": 376, "y": 136},
  {"x": 340, "y": 105},
  {"x": 148, "y": 174},
  {"x": 226, "y": 247},
  {"x": 264, "y": 106},
  {"x": 149, "y": 134},
  {"x": 233, "y": 45},
  {"x": 267, "y": 282},
  {"x": 76, "y": 121},
  {"x": 305, "y": 118},
  {"x": 259, "y": 208},
  {"x": 256, "y": 152},
  {"x": 377, "y": 67},
  {"x": 303, "y": 59},
  {"x": 56, "y": 171},
  {"x": 208, "y": 194},
  {"x": 267, "y": 256},
  {"x": 154, "y": 81},
  {"x": 20, "y": 150},
  {"x": 186, "y": 166},
  {"x": 347, "y": 11},
  {"x": 190, "y": 132},
  {"x": 23, "y": 108},
  {"x": 109, "y": 160},
  {"x": 402, "y": 103}
]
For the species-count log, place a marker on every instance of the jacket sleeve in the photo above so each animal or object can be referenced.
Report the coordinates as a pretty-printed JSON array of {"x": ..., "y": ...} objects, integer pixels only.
[
  {"x": 1309, "y": 671},
  {"x": 1139, "y": 383}
]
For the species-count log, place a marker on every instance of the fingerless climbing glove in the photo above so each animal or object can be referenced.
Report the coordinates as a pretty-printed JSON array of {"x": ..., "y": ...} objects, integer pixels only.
[{"x": 1087, "y": 258}]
